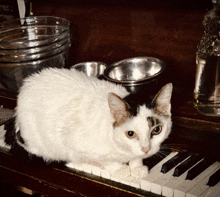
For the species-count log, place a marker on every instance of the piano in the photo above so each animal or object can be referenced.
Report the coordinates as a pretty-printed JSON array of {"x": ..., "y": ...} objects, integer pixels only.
[
  {"x": 110, "y": 31},
  {"x": 171, "y": 174}
]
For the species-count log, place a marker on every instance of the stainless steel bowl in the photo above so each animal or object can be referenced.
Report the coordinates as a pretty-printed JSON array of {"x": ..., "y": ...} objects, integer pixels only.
[
  {"x": 94, "y": 69},
  {"x": 135, "y": 73}
]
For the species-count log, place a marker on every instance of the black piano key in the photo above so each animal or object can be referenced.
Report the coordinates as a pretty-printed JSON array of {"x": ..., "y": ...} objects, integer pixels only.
[
  {"x": 183, "y": 167},
  {"x": 155, "y": 159},
  {"x": 214, "y": 179},
  {"x": 199, "y": 168},
  {"x": 174, "y": 161}
]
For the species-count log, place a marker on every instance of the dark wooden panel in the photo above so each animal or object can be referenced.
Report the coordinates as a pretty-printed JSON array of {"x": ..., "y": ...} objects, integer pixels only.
[
  {"x": 60, "y": 182},
  {"x": 110, "y": 31}
]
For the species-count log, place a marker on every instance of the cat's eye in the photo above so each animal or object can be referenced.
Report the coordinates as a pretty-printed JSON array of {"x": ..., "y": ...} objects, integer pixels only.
[
  {"x": 131, "y": 134},
  {"x": 157, "y": 130}
]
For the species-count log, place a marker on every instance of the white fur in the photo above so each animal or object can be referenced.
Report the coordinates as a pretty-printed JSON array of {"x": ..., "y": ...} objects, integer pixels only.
[{"x": 64, "y": 115}]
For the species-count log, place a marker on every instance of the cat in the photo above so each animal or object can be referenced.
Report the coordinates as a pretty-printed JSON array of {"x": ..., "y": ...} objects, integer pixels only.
[{"x": 64, "y": 115}]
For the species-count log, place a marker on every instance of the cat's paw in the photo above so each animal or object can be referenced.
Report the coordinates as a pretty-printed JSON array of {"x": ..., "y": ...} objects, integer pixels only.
[
  {"x": 122, "y": 173},
  {"x": 139, "y": 172}
]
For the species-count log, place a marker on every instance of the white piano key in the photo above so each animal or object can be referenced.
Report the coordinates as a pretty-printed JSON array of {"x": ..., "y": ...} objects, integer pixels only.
[
  {"x": 87, "y": 168},
  {"x": 212, "y": 191},
  {"x": 135, "y": 184},
  {"x": 76, "y": 166},
  {"x": 125, "y": 182},
  {"x": 168, "y": 187},
  {"x": 131, "y": 181},
  {"x": 2, "y": 128},
  {"x": 2, "y": 134},
  {"x": 105, "y": 174},
  {"x": 157, "y": 184},
  {"x": 154, "y": 172},
  {"x": 96, "y": 170},
  {"x": 198, "y": 190},
  {"x": 200, "y": 187},
  {"x": 2, "y": 137},
  {"x": 115, "y": 179},
  {"x": 182, "y": 189},
  {"x": 70, "y": 165}
]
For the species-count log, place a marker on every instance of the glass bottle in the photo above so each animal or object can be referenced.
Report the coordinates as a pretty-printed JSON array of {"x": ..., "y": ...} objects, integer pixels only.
[{"x": 207, "y": 83}]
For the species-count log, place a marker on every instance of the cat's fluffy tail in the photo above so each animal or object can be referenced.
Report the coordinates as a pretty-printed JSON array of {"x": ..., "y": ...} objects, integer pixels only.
[
  {"x": 10, "y": 132},
  {"x": 14, "y": 139}
]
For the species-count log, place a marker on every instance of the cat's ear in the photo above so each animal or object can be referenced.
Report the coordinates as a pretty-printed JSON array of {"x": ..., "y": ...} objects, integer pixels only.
[
  {"x": 118, "y": 109},
  {"x": 162, "y": 101}
]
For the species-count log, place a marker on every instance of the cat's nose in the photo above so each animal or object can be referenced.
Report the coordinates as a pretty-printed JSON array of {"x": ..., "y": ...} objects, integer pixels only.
[{"x": 146, "y": 149}]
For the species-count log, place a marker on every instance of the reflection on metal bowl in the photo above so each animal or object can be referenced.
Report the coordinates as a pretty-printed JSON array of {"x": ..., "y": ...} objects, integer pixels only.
[
  {"x": 136, "y": 74},
  {"x": 94, "y": 69}
]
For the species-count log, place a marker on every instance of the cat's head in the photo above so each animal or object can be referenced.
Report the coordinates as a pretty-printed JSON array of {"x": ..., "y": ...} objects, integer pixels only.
[{"x": 141, "y": 134}]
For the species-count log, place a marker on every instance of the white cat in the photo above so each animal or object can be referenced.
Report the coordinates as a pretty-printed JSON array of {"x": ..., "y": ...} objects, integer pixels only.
[{"x": 64, "y": 115}]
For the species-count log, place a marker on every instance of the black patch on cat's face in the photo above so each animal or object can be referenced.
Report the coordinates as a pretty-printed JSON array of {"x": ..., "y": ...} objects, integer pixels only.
[
  {"x": 135, "y": 100},
  {"x": 155, "y": 126},
  {"x": 153, "y": 121}
]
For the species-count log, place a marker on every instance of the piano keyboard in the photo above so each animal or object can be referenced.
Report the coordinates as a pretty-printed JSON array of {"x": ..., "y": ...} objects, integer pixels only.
[{"x": 176, "y": 175}]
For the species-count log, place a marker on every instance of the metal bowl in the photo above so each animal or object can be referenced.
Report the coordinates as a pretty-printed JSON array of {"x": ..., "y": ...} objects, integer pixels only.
[
  {"x": 29, "y": 45},
  {"x": 94, "y": 69},
  {"x": 135, "y": 73}
]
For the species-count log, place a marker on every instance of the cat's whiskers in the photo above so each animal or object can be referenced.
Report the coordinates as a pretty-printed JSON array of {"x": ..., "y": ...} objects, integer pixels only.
[
  {"x": 164, "y": 149},
  {"x": 174, "y": 147},
  {"x": 159, "y": 154}
]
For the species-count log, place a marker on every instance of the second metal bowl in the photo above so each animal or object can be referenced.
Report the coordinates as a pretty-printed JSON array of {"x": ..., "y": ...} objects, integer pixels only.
[
  {"x": 134, "y": 70},
  {"x": 94, "y": 69},
  {"x": 135, "y": 73}
]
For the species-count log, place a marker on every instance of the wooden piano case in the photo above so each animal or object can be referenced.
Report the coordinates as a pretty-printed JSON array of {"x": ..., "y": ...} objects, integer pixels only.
[{"x": 110, "y": 31}]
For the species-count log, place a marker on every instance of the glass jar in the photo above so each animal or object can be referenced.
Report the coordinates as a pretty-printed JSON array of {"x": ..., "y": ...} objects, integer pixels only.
[
  {"x": 207, "y": 84},
  {"x": 29, "y": 45}
]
